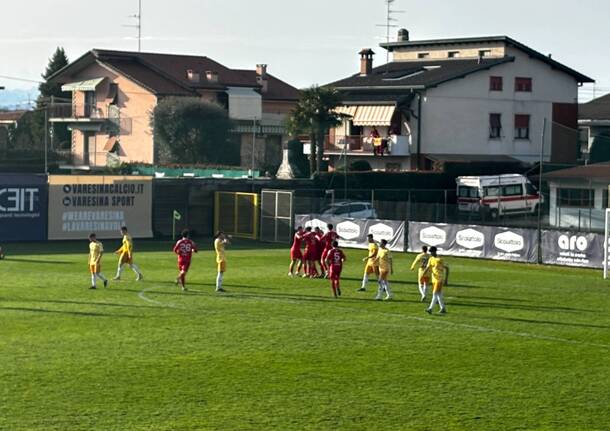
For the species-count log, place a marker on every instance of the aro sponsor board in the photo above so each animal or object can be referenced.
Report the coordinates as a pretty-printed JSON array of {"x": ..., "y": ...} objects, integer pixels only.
[
  {"x": 573, "y": 243},
  {"x": 509, "y": 242},
  {"x": 433, "y": 236},
  {"x": 381, "y": 231},
  {"x": 348, "y": 230},
  {"x": 470, "y": 238}
]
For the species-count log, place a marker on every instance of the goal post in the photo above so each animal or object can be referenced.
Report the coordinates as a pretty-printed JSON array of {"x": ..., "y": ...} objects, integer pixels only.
[{"x": 606, "y": 244}]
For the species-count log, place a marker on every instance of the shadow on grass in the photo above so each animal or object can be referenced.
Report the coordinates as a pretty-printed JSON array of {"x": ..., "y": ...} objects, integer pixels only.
[
  {"x": 523, "y": 307},
  {"x": 54, "y": 262},
  {"x": 72, "y": 313},
  {"x": 103, "y": 304},
  {"x": 544, "y": 322}
]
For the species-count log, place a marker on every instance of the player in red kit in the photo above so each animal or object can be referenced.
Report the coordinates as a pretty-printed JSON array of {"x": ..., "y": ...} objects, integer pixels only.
[
  {"x": 310, "y": 252},
  {"x": 320, "y": 245},
  {"x": 334, "y": 262},
  {"x": 329, "y": 237},
  {"x": 184, "y": 248},
  {"x": 295, "y": 252}
]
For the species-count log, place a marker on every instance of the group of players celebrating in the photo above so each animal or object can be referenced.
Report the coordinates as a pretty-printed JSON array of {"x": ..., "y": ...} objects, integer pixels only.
[{"x": 322, "y": 248}]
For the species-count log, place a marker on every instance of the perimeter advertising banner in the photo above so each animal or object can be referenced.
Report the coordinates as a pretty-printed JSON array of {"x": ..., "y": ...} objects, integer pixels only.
[
  {"x": 572, "y": 249},
  {"x": 81, "y": 204},
  {"x": 354, "y": 231},
  {"x": 486, "y": 242},
  {"x": 23, "y": 207}
]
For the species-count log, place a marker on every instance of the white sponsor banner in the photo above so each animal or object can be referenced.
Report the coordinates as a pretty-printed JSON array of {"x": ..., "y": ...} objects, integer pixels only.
[{"x": 353, "y": 232}]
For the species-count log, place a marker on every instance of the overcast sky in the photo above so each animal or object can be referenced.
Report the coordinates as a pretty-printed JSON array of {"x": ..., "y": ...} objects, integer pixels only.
[{"x": 304, "y": 42}]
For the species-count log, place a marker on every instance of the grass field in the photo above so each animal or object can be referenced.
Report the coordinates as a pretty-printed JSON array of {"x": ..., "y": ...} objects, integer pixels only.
[{"x": 522, "y": 348}]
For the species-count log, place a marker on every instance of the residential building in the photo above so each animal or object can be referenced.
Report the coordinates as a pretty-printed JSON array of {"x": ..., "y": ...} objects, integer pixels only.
[
  {"x": 114, "y": 93},
  {"x": 481, "y": 99},
  {"x": 594, "y": 123},
  {"x": 8, "y": 120},
  {"x": 579, "y": 196}
]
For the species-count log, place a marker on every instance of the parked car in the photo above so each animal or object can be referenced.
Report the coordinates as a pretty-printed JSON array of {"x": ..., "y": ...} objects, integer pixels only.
[
  {"x": 496, "y": 195},
  {"x": 351, "y": 210}
]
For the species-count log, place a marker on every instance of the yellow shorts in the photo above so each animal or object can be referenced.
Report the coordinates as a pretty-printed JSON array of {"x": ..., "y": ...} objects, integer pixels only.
[
  {"x": 384, "y": 274},
  {"x": 125, "y": 258},
  {"x": 95, "y": 268},
  {"x": 437, "y": 285},
  {"x": 222, "y": 266},
  {"x": 371, "y": 268},
  {"x": 423, "y": 276}
]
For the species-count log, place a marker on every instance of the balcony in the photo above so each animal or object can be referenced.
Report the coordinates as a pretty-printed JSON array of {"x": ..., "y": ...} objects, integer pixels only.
[
  {"x": 394, "y": 145},
  {"x": 91, "y": 117}
]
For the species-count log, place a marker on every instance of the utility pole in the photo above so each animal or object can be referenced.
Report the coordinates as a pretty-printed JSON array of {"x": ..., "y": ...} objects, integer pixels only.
[
  {"x": 540, "y": 172},
  {"x": 138, "y": 25}
]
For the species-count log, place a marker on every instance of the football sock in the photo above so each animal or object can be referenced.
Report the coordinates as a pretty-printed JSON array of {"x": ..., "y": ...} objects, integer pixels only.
[
  {"x": 219, "y": 280},
  {"x": 388, "y": 291},
  {"x": 93, "y": 280},
  {"x": 365, "y": 281},
  {"x": 434, "y": 299},
  {"x": 135, "y": 268},
  {"x": 119, "y": 270},
  {"x": 440, "y": 300},
  {"x": 101, "y": 276},
  {"x": 182, "y": 278},
  {"x": 380, "y": 289},
  {"x": 424, "y": 289}
]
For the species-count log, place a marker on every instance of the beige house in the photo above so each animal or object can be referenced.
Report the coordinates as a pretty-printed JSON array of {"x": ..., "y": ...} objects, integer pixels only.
[{"x": 114, "y": 93}]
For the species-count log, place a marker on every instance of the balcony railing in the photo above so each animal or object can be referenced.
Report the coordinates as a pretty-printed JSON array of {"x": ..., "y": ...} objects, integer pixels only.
[
  {"x": 82, "y": 111},
  {"x": 357, "y": 144}
]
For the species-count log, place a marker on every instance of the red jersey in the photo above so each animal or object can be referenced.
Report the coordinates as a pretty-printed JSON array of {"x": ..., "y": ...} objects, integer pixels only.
[
  {"x": 310, "y": 239},
  {"x": 184, "y": 248},
  {"x": 329, "y": 238},
  {"x": 297, "y": 241},
  {"x": 336, "y": 257}
]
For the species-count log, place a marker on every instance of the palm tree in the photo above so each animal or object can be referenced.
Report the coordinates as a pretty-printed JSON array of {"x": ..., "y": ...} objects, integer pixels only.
[{"x": 314, "y": 115}]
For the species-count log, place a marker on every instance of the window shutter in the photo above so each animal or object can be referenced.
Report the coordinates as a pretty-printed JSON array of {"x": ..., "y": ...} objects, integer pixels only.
[{"x": 522, "y": 121}]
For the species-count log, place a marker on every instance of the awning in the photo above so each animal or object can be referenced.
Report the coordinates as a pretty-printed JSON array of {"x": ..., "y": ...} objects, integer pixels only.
[
  {"x": 110, "y": 143},
  {"x": 244, "y": 104},
  {"x": 380, "y": 115},
  {"x": 347, "y": 110},
  {"x": 88, "y": 85}
]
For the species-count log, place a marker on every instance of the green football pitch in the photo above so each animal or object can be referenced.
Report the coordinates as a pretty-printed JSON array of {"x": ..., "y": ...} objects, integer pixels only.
[{"x": 522, "y": 347}]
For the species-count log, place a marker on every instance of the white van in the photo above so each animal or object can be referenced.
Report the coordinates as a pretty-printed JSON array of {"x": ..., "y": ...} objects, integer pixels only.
[{"x": 496, "y": 195}]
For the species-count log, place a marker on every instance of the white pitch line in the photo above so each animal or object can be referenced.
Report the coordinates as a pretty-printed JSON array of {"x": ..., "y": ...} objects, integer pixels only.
[{"x": 429, "y": 321}]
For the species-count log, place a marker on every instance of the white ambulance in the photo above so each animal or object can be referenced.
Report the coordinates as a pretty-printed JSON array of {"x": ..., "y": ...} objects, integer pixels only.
[{"x": 495, "y": 195}]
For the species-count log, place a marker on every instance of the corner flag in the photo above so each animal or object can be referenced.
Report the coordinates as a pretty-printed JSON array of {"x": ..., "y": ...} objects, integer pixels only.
[{"x": 177, "y": 215}]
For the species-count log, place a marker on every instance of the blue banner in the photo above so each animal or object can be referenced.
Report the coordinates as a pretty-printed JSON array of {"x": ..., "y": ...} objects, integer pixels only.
[{"x": 23, "y": 207}]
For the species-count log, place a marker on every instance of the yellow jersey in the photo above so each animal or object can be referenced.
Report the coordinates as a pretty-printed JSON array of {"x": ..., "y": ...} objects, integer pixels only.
[
  {"x": 219, "y": 247},
  {"x": 95, "y": 252},
  {"x": 384, "y": 259},
  {"x": 373, "y": 250},
  {"x": 421, "y": 262},
  {"x": 127, "y": 247},
  {"x": 438, "y": 267}
]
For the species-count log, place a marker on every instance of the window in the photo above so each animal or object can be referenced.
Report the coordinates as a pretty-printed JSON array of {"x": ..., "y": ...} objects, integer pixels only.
[
  {"x": 491, "y": 191},
  {"x": 523, "y": 85},
  {"x": 577, "y": 198},
  {"x": 453, "y": 54},
  {"x": 468, "y": 192},
  {"x": 423, "y": 55},
  {"x": 512, "y": 190},
  {"x": 495, "y": 126},
  {"x": 485, "y": 53},
  {"x": 522, "y": 126},
  {"x": 530, "y": 190},
  {"x": 496, "y": 83}
]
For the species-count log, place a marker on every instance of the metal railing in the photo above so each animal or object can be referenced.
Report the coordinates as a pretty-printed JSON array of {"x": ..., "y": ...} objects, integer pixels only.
[{"x": 80, "y": 111}]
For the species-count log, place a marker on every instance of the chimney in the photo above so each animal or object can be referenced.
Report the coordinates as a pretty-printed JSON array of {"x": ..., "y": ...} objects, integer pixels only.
[
  {"x": 192, "y": 76},
  {"x": 261, "y": 77},
  {"x": 261, "y": 70},
  {"x": 366, "y": 61},
  {"x": 403, "y": 35},
  {"x": 211, "y": 76}
]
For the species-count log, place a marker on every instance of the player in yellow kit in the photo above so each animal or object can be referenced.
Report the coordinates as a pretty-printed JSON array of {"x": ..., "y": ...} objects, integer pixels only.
[
  {"x": 220, "y": 242},
  {"x": 125, "y": 253},
  {"x": 96, "y": 250},
  {"x": 370, "y": 266},
  {"x": 384, "y": 263},
  {"x": 423, "y": 275},
  {"x": 440, "y": 278}
]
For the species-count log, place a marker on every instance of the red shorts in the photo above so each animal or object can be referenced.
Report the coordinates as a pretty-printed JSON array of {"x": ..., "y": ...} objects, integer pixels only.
[
  {"x": 183, "y": 264},
  {"x": 335, "y": 272},
  {"x": 309, "y": 254},
  {"x": 296, "y": 254}
]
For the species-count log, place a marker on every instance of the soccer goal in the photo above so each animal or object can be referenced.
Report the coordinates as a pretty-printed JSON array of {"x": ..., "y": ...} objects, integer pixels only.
[{"x": 606, "y": 231}]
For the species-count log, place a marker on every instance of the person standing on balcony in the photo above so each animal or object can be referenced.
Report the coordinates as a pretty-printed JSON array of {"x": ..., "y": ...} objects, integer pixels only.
[{"x": 376, "y": 138}]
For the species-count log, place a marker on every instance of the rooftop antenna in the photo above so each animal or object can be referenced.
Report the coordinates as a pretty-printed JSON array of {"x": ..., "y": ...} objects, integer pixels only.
[
  {"x": 138, "y": 26},
  {"x": 389, "y": 25}
]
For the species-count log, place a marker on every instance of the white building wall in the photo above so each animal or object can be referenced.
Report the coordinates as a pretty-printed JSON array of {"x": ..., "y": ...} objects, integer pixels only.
[{"x": 456, "y": 114}]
